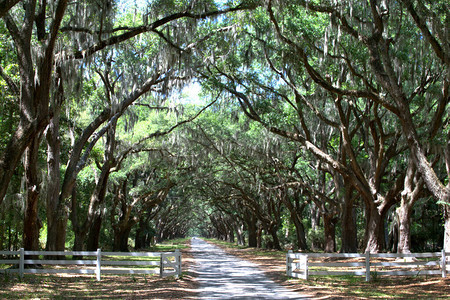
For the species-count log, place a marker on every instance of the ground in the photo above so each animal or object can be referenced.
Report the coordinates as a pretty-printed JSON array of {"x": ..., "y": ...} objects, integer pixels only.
[
  {"x": 349, "y": 287},
  {"x": 272, "y": 262},
  {"x": 77, "y": 286}
]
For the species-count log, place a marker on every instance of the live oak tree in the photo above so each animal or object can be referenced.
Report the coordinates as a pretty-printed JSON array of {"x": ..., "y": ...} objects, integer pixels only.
[
  {"x": 66, "y": 37},
  {"x": 360, "y": 58},
  {"x": 404, "y": 45}
]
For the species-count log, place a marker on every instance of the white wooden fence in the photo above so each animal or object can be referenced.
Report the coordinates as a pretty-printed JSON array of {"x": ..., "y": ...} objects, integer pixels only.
[
  {"x": 301, "y": 265},
  {"x": 162, "y": 263}
]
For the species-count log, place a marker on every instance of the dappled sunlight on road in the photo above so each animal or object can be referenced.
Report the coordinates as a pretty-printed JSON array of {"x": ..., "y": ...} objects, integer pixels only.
[{"x": 224, "y": 276}]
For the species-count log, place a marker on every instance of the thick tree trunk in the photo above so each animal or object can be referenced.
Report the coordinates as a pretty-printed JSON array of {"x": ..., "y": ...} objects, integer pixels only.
[
  {"x": 276, "y": 241},
  {"x": 230, "y": 235},
  {"x": 413, "y": 184},
  {"x": 57, "y": 213},
  {"x": 252, "y": 230},
  {"x": 240, "y": 234},
  {"x": 315, "y": 221},
  {"x": 31, "y": 224},
  {"x": 375, "y": 234},
  {"x": 349, "y": 231},
  {"x": 329, "y": 226},
  {"x": 300, "y": 233},
  {"x": 259, "y": 236},
  {"x": 296, "y": 212},
  {"x": 93, "y": 237},
  {"x": 404, "y": 228},
  {"x": 144, "y": 233},
  {"x": 121, "y": 235},
  {"x": 56, "y": 232},
  {"x": 79, "y": 231},
  {"x": 348, "y": 222}
]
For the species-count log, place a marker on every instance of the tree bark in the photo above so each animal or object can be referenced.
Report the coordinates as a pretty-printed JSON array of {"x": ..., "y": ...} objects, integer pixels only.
[
  {"x": 57, "y": 213},
  {"x": 121, "y": 236},
  {"x": 411, "y": 191},
  {"x": 375, "y": 241},
  {"x": 240, "y": 234},
  {"x": 348, "y": 223},
  {"x": 404, "y": 228},
  {"x": 252, "y": 230},
  {"x": 93, "y": 236},
  {"x": 273, "y": 229},
  {"x": 31, "y": 223},
  {"x": 329, "y": 226}
]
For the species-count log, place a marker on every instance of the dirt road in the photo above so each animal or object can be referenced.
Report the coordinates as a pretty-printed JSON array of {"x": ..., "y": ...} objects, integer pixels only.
[{"x": 224, "y": 276}]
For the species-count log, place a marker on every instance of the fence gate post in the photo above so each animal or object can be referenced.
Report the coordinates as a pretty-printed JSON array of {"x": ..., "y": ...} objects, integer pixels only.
[
  {"x": 444, "y": 264},
  {"x": 21, "y": 262},
  {"x": 367, "y": 266},
  {"x": 306, "y": 267},
  {"x": 178, "y": 261},
  {"x": 98, "y": 269},
  {"x": 288, "y": 264}
]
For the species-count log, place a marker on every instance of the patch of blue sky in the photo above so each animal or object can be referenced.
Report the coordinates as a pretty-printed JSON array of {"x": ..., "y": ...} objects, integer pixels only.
[{"x": 131, "y": 4}]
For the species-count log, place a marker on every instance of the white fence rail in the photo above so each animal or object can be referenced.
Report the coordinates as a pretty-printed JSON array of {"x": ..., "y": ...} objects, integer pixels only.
[
  {"x": 162, "y": 263},
  {"x": 302, "y": 265}
]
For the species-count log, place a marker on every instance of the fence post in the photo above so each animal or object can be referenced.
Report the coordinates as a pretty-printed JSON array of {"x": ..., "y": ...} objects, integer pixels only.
[
  {"x": 178, "y": 261},
  {"x": 161, "y": 264},
  {"x": 21, "y": 262},
  {"x": 367, "y": 266},
  {"x": 98, "y": 269},
  {"x": 444, "y": 264},
  {"x": 288, "y": 264},
  {"x": 306, "y": 267}
]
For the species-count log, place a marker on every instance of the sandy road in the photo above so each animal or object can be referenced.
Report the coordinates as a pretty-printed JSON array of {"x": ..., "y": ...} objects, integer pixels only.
[{"x": 224, "y": 276}]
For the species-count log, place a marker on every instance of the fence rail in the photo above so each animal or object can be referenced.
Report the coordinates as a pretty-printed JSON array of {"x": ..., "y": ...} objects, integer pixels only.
[
  {"x": 302, "y": 265},
  {"x": 162, "y": 263}
]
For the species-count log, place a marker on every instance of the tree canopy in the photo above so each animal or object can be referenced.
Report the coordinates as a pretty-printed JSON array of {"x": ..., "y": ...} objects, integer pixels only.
[{"x": 320, "y": 124}]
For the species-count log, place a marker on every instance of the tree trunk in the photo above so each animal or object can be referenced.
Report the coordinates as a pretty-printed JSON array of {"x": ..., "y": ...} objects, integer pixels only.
[
  {"x": 296, "y": 212},
  {"x": 121, "y": 234},
  {"x": 93, "y": 238},
  {"x": 349, "y": 230},
  {"x": 300, "y": 234},
  {"x": 276, "y": 242},
  {"x": 329, "y": 226},
  {"x": 240, "y": 234},
  {"x": 315, "y": 221},
  {"x": 79, "y": 231},
  {"x": 412, "y": 187},
  {"x": 144, "y": 233},
  {"x": 374, "y": 236},
  {"x": 230, "y": 234},
  {"x": 252, "y": 230},
  {"x": 259, "y": 236},
  {"x": 31, "y": 224},
  {"x": 404, "y": 228},
  {"x": 57, "y": 213}
]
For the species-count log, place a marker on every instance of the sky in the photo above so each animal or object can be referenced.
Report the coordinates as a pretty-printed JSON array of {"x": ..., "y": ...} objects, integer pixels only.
[{"x": 192, "y": 91}]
